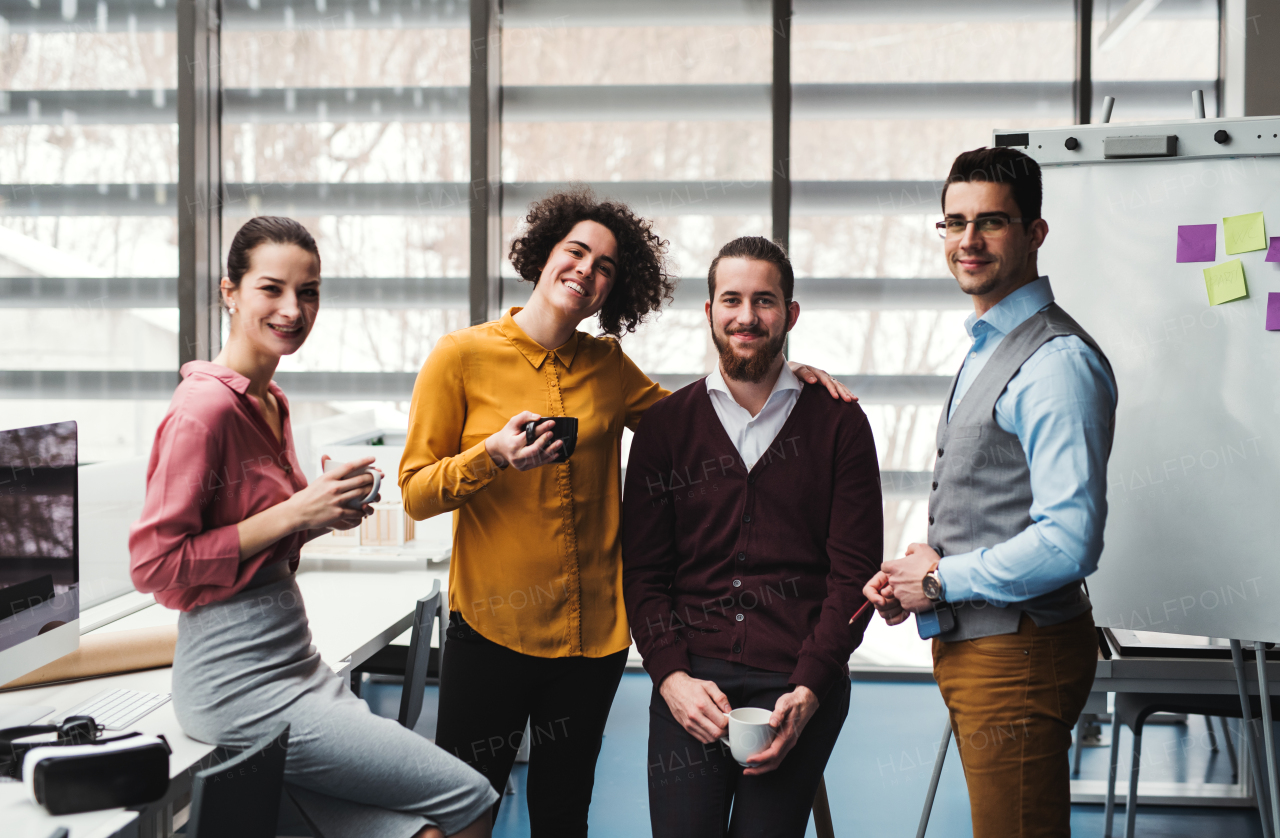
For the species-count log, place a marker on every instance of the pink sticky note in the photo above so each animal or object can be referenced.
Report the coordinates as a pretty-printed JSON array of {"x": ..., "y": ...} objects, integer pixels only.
[
  {"x": 1273, "y": 311},
  {"x": 1197, "y": 242},
  {"x": 1273, "y": 253}
]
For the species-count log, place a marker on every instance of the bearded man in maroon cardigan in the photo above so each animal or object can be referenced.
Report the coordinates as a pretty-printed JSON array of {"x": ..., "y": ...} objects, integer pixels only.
[{"x": 751, "y": 521}]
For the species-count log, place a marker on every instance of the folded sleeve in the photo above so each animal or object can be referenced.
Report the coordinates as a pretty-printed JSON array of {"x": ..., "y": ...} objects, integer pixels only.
[
  {"x": 436, "y": 476},
  {"x": 650, "y": 556},
  {"x": 169, "y": 546},
  {"x": 855, "y": 549}
]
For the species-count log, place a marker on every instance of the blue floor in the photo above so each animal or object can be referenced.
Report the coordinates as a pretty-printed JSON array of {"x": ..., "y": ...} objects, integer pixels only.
[{"x": 879, "y": 772}]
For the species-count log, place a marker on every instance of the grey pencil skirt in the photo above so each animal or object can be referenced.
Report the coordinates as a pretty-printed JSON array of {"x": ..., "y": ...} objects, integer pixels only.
[{"x": 246, "y": 664}]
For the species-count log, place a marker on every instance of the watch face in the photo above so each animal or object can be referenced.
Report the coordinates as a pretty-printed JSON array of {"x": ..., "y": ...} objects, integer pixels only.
[{"x": 931, "y": 587}]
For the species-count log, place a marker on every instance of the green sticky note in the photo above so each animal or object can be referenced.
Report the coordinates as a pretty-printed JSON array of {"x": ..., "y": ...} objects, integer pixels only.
[
  {"x": 1225, "y": 282},
  {"x": 1245, "y": 233}
]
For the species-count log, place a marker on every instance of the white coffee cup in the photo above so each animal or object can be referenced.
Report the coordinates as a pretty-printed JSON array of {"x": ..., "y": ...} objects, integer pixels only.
[
  {"x": 356, "y": 503},
  {"x": 749, "y": 733}
]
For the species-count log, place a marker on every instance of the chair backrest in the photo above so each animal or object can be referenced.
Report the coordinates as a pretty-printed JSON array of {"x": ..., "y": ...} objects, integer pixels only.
[
  {"x": 428, "y": 612},
  {"x": 240, "y": 797}
]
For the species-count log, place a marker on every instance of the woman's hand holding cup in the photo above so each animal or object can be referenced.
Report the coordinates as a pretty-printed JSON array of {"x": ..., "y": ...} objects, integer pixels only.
[
  {"x": 324, "y": 502},
  {"x": 510, "y": 446}
]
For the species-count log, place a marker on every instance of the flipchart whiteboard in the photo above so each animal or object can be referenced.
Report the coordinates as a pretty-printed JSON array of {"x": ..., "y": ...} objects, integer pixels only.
[{"x": 1193, "y": 532}]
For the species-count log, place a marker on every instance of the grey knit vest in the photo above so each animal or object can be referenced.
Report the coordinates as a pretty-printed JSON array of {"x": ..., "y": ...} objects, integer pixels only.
[{"x": 982, "y": 482}]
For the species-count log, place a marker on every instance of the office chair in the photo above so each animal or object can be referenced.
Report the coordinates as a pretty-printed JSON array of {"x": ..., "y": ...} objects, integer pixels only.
[
  {"x": 431, "y": 609},
  {"x": 240, "y": 797}
]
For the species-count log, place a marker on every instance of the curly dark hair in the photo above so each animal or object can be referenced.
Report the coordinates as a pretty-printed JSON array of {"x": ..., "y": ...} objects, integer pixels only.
[{"x": 642, "y": 282}]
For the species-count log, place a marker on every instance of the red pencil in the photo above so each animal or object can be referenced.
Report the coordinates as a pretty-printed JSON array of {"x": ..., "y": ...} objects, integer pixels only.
[{"x": 864, "y": 607}]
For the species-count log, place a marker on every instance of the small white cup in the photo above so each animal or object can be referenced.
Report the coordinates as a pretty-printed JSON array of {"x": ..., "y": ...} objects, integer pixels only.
[
  {"x": 749, "y": 733},
  {"x": 357, "y": 503}
]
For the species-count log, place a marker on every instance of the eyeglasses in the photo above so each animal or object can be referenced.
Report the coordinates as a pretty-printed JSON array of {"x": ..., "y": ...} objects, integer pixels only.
[{"x": 993, "y": 226}]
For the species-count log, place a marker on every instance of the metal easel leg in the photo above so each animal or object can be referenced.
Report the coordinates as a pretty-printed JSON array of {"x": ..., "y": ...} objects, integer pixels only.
[
  {"x": 933, "y": 781},
  {"x": 1268, "y": 734},
  {"x": 1246, "y": 729}
]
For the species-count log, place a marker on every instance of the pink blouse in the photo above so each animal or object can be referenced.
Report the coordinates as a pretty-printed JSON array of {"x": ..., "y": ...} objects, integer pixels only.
[{"x": 215, "y": 462}]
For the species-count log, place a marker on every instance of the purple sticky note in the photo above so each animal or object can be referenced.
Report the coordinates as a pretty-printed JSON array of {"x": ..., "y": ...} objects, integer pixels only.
[
  {"x": 1273, "y": 252},
  {"x": 1197, "y": 242},
  {"x": 1273, "y": 311}
]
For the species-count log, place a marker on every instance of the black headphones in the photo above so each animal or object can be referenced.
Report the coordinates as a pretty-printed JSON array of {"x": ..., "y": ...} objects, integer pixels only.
[{"x": 73, "y": 730}]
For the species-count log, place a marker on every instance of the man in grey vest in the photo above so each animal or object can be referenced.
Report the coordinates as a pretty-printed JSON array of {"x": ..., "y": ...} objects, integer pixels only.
[{"x": 1016, "y": 512}]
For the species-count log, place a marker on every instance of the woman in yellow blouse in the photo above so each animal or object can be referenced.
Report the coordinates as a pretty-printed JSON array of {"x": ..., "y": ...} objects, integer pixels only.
[{"x": 538, "y": 630}]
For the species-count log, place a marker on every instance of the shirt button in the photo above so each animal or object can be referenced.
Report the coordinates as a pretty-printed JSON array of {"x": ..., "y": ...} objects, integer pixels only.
[
  {"x": 742, "y": 557},
  {"x": 739, "y": 618},
  {"x": 737, "y": 648},
  {"x": 746, "y": 519},
  {"x": 973, "y": 354},
  {"x": 737, "y": 583}
]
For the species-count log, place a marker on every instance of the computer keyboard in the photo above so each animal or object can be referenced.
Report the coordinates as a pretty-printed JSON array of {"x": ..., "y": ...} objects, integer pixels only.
[{"x": 117, "y": 709}]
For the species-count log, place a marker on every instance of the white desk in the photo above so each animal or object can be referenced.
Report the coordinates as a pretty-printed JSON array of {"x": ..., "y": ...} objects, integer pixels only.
[{"x": 352, "y": 615}]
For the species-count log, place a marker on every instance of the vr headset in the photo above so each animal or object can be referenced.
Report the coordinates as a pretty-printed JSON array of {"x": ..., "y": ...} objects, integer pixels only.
[{"x": 78, "y": 771}]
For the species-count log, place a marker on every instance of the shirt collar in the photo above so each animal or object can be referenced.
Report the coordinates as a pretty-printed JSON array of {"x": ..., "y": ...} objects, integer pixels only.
[
  {"x": 530, "y": 348},
  {"x": 786, "y": 381},
  {"x": 234, "y": 380},
  {"x": 1013, "y": 310},
  {"x": 226, "y": 375}
]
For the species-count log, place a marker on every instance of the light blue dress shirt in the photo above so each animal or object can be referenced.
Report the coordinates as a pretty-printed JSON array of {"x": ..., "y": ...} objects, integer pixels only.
[{"x": 1059, "y": 405}]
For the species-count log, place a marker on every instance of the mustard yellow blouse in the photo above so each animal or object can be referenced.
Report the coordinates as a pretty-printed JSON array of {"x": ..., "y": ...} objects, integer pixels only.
[{"x": 537, "y": 561}]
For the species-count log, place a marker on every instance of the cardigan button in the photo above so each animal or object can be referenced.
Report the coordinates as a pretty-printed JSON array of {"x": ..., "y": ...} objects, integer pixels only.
[
  {"x": 740, "y": 618},
  {"x": 746, "y": 519},
  {"x": 930, "y": 519},
  {"x": 935, "y": 484},
  {"x": 939, "y": 452},
  {"x": 751, "y": 479},
  {"x": 737, "y": 583},
  {"x": 742, "y": 557},
  {"x": 737, "y": 648}
]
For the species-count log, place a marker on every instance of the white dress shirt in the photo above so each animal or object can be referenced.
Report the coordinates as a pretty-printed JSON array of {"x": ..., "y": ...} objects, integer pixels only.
[{"x": 751, "y": 435}]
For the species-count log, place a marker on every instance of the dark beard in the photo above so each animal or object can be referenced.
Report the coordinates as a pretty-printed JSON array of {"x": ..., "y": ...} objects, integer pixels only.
[{"x": 753, "y": 367}]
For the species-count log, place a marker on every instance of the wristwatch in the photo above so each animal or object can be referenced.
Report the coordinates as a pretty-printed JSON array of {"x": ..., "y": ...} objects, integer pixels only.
[{"x": 932, "y": 584}]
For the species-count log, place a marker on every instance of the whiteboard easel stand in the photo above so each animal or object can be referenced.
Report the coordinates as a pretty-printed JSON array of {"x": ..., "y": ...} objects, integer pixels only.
[
  {"x": 1265, "y": 812},
  {"x": 1268, "y": 733}
]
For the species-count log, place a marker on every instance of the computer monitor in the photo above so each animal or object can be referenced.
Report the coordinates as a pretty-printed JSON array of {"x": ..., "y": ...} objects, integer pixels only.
[{"x": 39, "y": 548}]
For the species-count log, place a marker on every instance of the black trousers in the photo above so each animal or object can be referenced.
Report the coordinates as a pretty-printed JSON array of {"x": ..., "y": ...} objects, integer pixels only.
[
  {"x": 698, "y": 791},
  {"x": 487, "y": 694}
]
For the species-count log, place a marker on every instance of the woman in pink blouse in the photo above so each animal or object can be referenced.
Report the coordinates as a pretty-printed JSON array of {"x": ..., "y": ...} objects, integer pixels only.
[{"x": 227, "y": 510}]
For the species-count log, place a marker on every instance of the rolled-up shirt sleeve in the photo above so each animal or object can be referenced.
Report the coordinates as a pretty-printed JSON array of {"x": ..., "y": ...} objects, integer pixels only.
[
  {"x": 1060, "y": 405},
  {"x": 169, "y": 546}
]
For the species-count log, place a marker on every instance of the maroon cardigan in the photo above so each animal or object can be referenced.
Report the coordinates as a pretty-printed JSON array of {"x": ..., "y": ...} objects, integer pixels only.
[{"x": 762, "y": 568}]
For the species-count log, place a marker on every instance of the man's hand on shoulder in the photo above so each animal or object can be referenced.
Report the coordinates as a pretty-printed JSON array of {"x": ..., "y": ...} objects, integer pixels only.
[
  {"x": 698, "y": 706},
  {"x": 791, "y": 713}
]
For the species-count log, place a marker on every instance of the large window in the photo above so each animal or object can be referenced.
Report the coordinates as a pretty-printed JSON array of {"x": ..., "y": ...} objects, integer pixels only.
[
  {"x": 88, "y": 248},
  {"x": 661, "y": 110},
  {"x": 352, "y": 118}
]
